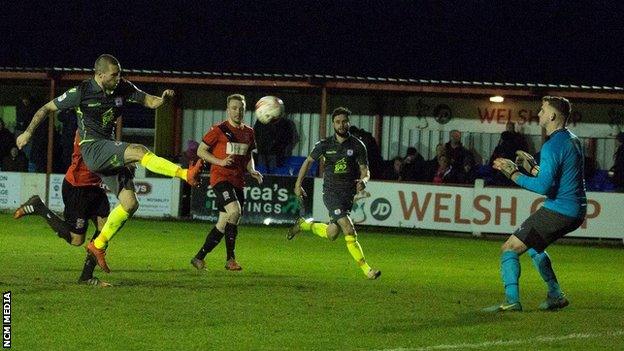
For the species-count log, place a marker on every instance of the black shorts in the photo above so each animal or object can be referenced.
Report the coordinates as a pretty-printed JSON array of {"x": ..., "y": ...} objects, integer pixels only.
[
  {"x": 227, "y": 193},
  {"x": 544, "y": 227},
  {"x": 338, "y": 203},
  {"x": 83, "y": 203}
]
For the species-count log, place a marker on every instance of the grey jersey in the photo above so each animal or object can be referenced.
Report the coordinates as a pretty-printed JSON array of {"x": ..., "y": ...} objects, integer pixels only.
[
  {"x": 342, "y": 162},
  {"x": 97, "y": 112}
]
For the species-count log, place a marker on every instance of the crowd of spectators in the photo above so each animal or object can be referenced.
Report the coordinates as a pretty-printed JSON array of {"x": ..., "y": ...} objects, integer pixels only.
[{"x": 453, "y": 163}]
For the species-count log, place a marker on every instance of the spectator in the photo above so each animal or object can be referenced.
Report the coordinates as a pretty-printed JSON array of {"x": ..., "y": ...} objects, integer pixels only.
[
  {"x": 506, "y": 147},
  {"x": 617, "y": 171},
  {"x": 15, "y": 161},
  {"x": 431, "y": 166},
  {"x": 468, "y": 173},
  {"x": 7, "y": 140},
  {"x": 455, "y": 150},
  {"x": 413, "y": 165},
  {"x": 519, "y": 140},
  {"x": 375, "y": 161},
  {"x": 393, "y": 168},
  {"x": 24, "y": 112},
  {"x": 445, "y": 172},
  {"x": 38, "y": 153},
  {"x": 275, "y": 142}
]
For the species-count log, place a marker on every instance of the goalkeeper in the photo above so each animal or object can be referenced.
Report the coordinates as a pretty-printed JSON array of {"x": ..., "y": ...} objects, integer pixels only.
[{"x": 559, "y": 177}]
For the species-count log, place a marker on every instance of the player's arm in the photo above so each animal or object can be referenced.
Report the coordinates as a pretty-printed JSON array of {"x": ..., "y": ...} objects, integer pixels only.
[
  {"x": 155, "y": 102},
  {"x": 251, "y": 168},
  {"x": 39, "y": 116},
  {"x": 364, "y": 177},
  {"x": 302, "y": 173},
  {"x": 544, "y": 179},
  {"x": 203, "y": 151}
]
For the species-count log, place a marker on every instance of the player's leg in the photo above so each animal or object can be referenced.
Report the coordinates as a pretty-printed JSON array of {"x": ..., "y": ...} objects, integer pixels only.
[
  {"x": 510, "y": 274},
  {"x": 128, "y": 204},
  {"x": 156, "y": 164},
  {"x": 212, "y": 240},
  {"x": 98, "y": 209},
  {"x": 327, "y": 231},
  {"x": 234, "y": 211},
  {"x": 330, "y": 231},
  {"x": 34, "y": 206},
  {"x": 354, "y": 247},
  {"x": 554, "y": 226},
  {"x": 555, "y": 298}
]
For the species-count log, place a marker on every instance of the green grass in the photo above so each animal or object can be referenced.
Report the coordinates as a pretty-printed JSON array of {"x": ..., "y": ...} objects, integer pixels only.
[{"x": 305, "y": 294}]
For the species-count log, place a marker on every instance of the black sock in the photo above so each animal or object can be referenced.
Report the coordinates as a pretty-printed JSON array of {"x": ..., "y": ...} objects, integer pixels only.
[
  {"x": 231, "y": 231},
  {"x": 61, "y": 228},
  {"x": 212, "y": 240},
  {"x": 89, "y": 263}
]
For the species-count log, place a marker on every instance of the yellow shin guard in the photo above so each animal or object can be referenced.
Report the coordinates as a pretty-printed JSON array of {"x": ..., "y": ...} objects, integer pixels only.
[
  {"x": 116, "y": 219},
  {"x": 356, "y": 252},
  {"x": 162, "y": 166},
  {"x": 316, "y": 228}
]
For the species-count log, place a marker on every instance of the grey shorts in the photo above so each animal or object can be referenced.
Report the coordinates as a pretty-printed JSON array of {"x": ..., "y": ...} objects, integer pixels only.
[
  {"x": 544, "y": 227},
  {"x": 106, "y": 159},
  {"x": 338, "y": 203}
]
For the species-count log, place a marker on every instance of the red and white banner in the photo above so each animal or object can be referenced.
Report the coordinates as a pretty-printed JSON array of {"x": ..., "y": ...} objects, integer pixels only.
[{"x": 466, "y": 209}]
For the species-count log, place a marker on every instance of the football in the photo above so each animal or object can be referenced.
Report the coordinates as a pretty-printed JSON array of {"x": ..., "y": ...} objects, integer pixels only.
[{"x": 269, "y": 109}]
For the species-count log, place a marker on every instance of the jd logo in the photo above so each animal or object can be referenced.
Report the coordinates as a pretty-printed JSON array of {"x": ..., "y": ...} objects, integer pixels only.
[{"x": 380, "y": 209}]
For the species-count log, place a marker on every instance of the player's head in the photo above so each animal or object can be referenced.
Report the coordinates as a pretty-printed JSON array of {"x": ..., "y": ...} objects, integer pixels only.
[
  {"x": 107, "y": 71},
  {"x": 235, "y": 109},
  {"x": 340, "y": 119},
  {"x": 555, "y": 111}
]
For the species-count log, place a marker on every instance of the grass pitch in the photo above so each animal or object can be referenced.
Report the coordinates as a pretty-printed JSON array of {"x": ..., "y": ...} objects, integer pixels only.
[{"x": 305, "y": 294}]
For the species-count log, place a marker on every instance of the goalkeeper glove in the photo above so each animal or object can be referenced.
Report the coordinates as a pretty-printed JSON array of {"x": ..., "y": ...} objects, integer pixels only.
[
  {"x": 507, "y": 167},
  {"x": 527, "y": 162}
]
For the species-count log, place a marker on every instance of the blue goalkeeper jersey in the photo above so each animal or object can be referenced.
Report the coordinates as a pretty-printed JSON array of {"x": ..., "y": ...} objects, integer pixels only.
[{"x": 560, "y": 177}]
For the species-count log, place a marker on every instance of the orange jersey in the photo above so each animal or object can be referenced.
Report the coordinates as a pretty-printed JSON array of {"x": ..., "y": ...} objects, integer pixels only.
[
  {"x": 223, "y": 139},
  {"x": 78, "y": 174}
]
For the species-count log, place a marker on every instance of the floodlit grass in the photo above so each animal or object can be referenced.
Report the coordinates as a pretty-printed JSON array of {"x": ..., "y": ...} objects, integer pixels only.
[{"x": 304, "y": 294}]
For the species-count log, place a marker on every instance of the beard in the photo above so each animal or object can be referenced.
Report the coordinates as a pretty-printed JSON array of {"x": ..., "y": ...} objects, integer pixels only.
[{"x": 342, "y": 135}]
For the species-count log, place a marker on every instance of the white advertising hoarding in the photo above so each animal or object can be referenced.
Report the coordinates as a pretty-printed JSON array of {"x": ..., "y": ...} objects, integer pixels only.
[
  {"x": 467, "y": 209},
  {"x": 158, "y": 197}
]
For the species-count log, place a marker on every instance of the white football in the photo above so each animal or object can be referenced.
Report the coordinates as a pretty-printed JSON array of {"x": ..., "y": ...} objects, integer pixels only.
[{"x": 269, "y": 109}]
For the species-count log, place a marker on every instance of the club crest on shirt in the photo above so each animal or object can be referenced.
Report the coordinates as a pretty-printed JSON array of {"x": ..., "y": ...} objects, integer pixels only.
[
  {"x": 349, "y": 152},
  {"x": 118, "y": 101},
  {"x": 226, "y": 195},
  {"x": 80, "y": 223},
  {"x": 337, "y": 211}
]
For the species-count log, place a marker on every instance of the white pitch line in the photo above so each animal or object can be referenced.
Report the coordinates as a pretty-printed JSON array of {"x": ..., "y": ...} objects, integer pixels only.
[{"x": 543, "y": 339}]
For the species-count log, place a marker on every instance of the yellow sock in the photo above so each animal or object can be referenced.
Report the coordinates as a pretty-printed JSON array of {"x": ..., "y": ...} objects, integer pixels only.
[
  {"x": 356, "y": 251},
  {"x": 116, "y": 219},
  {"x": 162, "y": 166},
  {"x": 316, "y": 228}
]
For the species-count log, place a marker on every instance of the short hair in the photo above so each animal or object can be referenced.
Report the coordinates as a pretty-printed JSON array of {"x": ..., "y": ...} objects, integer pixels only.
[
  {"x": 239, "y": 97},
  {"x": 411, "y": 151},
  {"x": 103, "y": 61},
  {"x": 560, "y": 104},
  {"x": 340, "y": 111}
]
